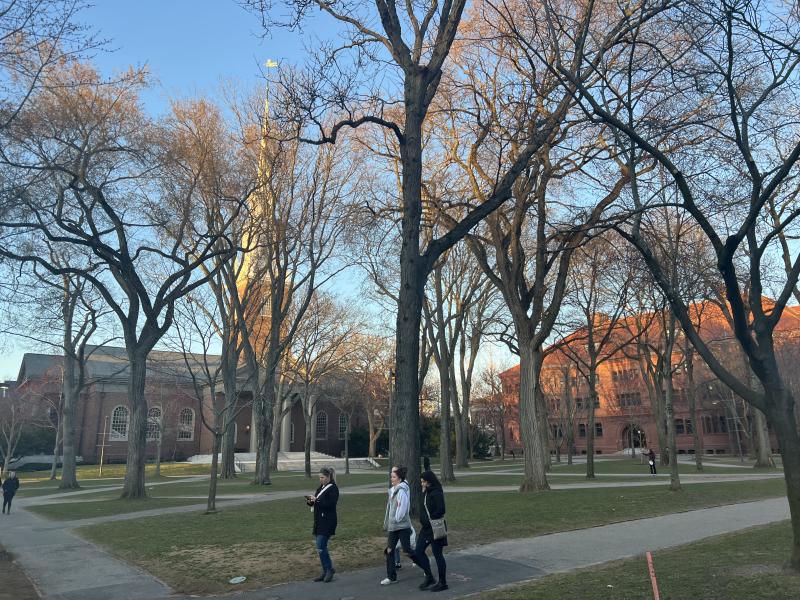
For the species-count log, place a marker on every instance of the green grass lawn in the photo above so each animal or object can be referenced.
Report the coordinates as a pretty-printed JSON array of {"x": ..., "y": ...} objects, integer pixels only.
[
  {"x": 270, "y": 542},
  {"x": 630, "y": 465},
  {"x": 105, "y": 506},
  {"x": 117, "y": 471},
  {"x": 737, "y": 566},
  {"x": 516, "y": 480}
]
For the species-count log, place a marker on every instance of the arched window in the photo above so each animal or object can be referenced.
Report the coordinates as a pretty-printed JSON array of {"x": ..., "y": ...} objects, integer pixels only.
[
  {"x": 154, "y": 423},
  {"x": 186, "y": 425},
  {"x": 342, "y": 426},
  {"x": 119, "y": 424},
  {"x": 322, "y": 425},
  {"x": 291, "y": 433}
]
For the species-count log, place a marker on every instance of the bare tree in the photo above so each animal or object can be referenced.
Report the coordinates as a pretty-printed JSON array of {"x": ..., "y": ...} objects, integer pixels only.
[
  {"x": 37, "y": 36},
  {"x": 319, "y": 349},
  {"x": 302, "y": 206},
  {"x": 86, "y": 170},
  {"x": 346, "y": 90},
  {"x": 599, "y": 280},
  {"x": 741, "y": 60}
]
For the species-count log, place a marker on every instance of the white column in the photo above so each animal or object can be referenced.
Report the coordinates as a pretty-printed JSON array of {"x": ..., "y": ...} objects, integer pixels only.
[
  {"x": 314, "y": 429},
  {"x": 286, "y": 429},
  {"x": 253, "y": 438}
]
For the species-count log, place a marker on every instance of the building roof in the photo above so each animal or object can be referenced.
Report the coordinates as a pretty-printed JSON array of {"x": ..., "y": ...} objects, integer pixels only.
[
  {"x": 109, "y": 363},
  {"x": 713, "y": 326}
]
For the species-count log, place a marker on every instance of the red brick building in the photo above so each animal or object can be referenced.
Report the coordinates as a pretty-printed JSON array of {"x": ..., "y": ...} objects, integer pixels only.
[
  {"x": 625, "y": 416},
  {"x": 102, "y": 415}
]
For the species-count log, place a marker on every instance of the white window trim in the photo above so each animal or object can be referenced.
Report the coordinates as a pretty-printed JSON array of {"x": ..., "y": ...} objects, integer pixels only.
[
  {"x": 115, "y": 436},
  {"x": 317, "y": 436},
  {"x": 156, "y": 421},
  {"x": 181, "y": 426},
  {"x": 342, "y": 426}
]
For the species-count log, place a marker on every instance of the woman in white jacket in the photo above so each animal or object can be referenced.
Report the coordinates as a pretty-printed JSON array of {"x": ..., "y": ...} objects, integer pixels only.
[{"x": 397, "y": 522}]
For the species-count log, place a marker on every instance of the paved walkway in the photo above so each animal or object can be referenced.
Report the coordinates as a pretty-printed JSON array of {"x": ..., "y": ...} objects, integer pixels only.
[{"x": 66, "y": 567}]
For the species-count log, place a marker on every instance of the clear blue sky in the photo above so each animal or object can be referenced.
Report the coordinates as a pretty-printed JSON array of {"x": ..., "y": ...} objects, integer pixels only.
[{"x": 189, "y": 46}]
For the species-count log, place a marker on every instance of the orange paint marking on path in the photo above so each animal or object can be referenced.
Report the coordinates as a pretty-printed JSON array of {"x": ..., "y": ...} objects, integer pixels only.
[{"x": 652, "y": 571}]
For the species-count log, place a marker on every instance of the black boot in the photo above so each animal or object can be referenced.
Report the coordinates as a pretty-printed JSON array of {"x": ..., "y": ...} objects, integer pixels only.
[
  {"x": 320, "y": 577},
  {"x": 439, "y": 587},
  {"x": 329, "y": 575},
  {"x": 429, "y": 580}
]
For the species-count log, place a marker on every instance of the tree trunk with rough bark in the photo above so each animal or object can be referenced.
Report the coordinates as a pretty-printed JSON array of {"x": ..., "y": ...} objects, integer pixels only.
[
  {"x": 691, "y": 393},
  {"x": 211, "y": 505},
  {"x": 530, "y": 421},
  {"x": 228, "y": 446},
  {"x": 783, "y": 418},
  {"x": 71, "y": 394},
  {"x": 56, "y": 444},
  {"x": 763, "y": 450},
  {"x": 133, "y": 485},
  {"x": 590, "y": 428},
  {"x": 404, "y": 420},
  {"x": 674, "y": 477},
  {"x": 446, "y": 473}
]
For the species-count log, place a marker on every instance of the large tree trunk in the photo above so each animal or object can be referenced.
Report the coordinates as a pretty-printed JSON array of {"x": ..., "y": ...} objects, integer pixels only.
[
  {"x": 373, "y": 435},
  {"x": 459, "y": 418},
  {"x": 69, "y": 477},
  {"x": 783, "y": 419},
  {"x": 228, "y": 449},
  {"x": 691, "y": 394},
  {"x": 446, "y": 473},
  {"x": 590, "y": 474},
  {"x": 763, "y": 450},
  {"x": 133, "y": 485},
  {"x": 674, "y": 478},
  {"x": 446, "y": 389},
  {"x": 56, "y": 444},
  {"x": 211, "y": 506},
  {"x": 404, "y": 420},
  {"x": 275, "y": 446},
  {"x": 530, "y": 421},
  {"x": 263, "y": 425},
  {"x": 307, "y": 444}
]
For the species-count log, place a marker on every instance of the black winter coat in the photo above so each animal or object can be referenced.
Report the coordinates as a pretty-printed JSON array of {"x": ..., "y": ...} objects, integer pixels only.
[
  {"x": 433, "y": 498},
  {"x": 10, "y": 486},
  {"x": 325, "y": 511}
]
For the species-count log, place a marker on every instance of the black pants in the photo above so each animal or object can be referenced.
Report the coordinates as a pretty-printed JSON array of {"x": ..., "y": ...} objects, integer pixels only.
[
  {"x": 7, "y": 498},
  {"x": 653, "y": 468},
  {"x": 404, "y": 536},
  {"x": 423, "y": 541}
]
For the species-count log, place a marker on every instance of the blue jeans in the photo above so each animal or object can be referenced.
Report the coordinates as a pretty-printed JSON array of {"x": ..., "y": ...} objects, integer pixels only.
[{"x": 321, "y": 542}]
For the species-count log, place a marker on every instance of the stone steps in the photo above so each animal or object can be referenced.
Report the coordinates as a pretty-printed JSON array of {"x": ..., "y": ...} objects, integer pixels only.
[{"x": 293, "y": 461}]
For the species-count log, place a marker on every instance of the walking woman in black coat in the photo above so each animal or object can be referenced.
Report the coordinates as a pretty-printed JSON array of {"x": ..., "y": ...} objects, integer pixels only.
[
  {"x": 323, "y": 503},
  {"x": 432, "y": 508},
  {"x": 10, "y": 487}
]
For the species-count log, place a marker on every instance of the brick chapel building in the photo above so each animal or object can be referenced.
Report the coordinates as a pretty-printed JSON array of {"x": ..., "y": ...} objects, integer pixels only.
[{"x": 102, "y": 415}]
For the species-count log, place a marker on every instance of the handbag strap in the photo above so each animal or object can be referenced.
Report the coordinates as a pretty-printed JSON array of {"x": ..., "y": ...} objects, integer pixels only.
[{"x": 425, "y": 504}]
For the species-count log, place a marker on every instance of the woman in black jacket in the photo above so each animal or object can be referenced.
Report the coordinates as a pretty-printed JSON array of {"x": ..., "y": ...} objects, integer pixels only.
[
  {"x": 10, "y": 487},
  {"x": 323, "y": 504},
  {"x": 432, "y": 508}
]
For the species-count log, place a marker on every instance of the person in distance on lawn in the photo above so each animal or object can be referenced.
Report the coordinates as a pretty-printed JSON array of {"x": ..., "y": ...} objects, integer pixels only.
[{"x": 10, "y": 487}]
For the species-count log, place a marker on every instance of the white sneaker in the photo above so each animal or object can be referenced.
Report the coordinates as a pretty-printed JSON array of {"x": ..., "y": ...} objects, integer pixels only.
[{"x": 388, "y": 581}]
